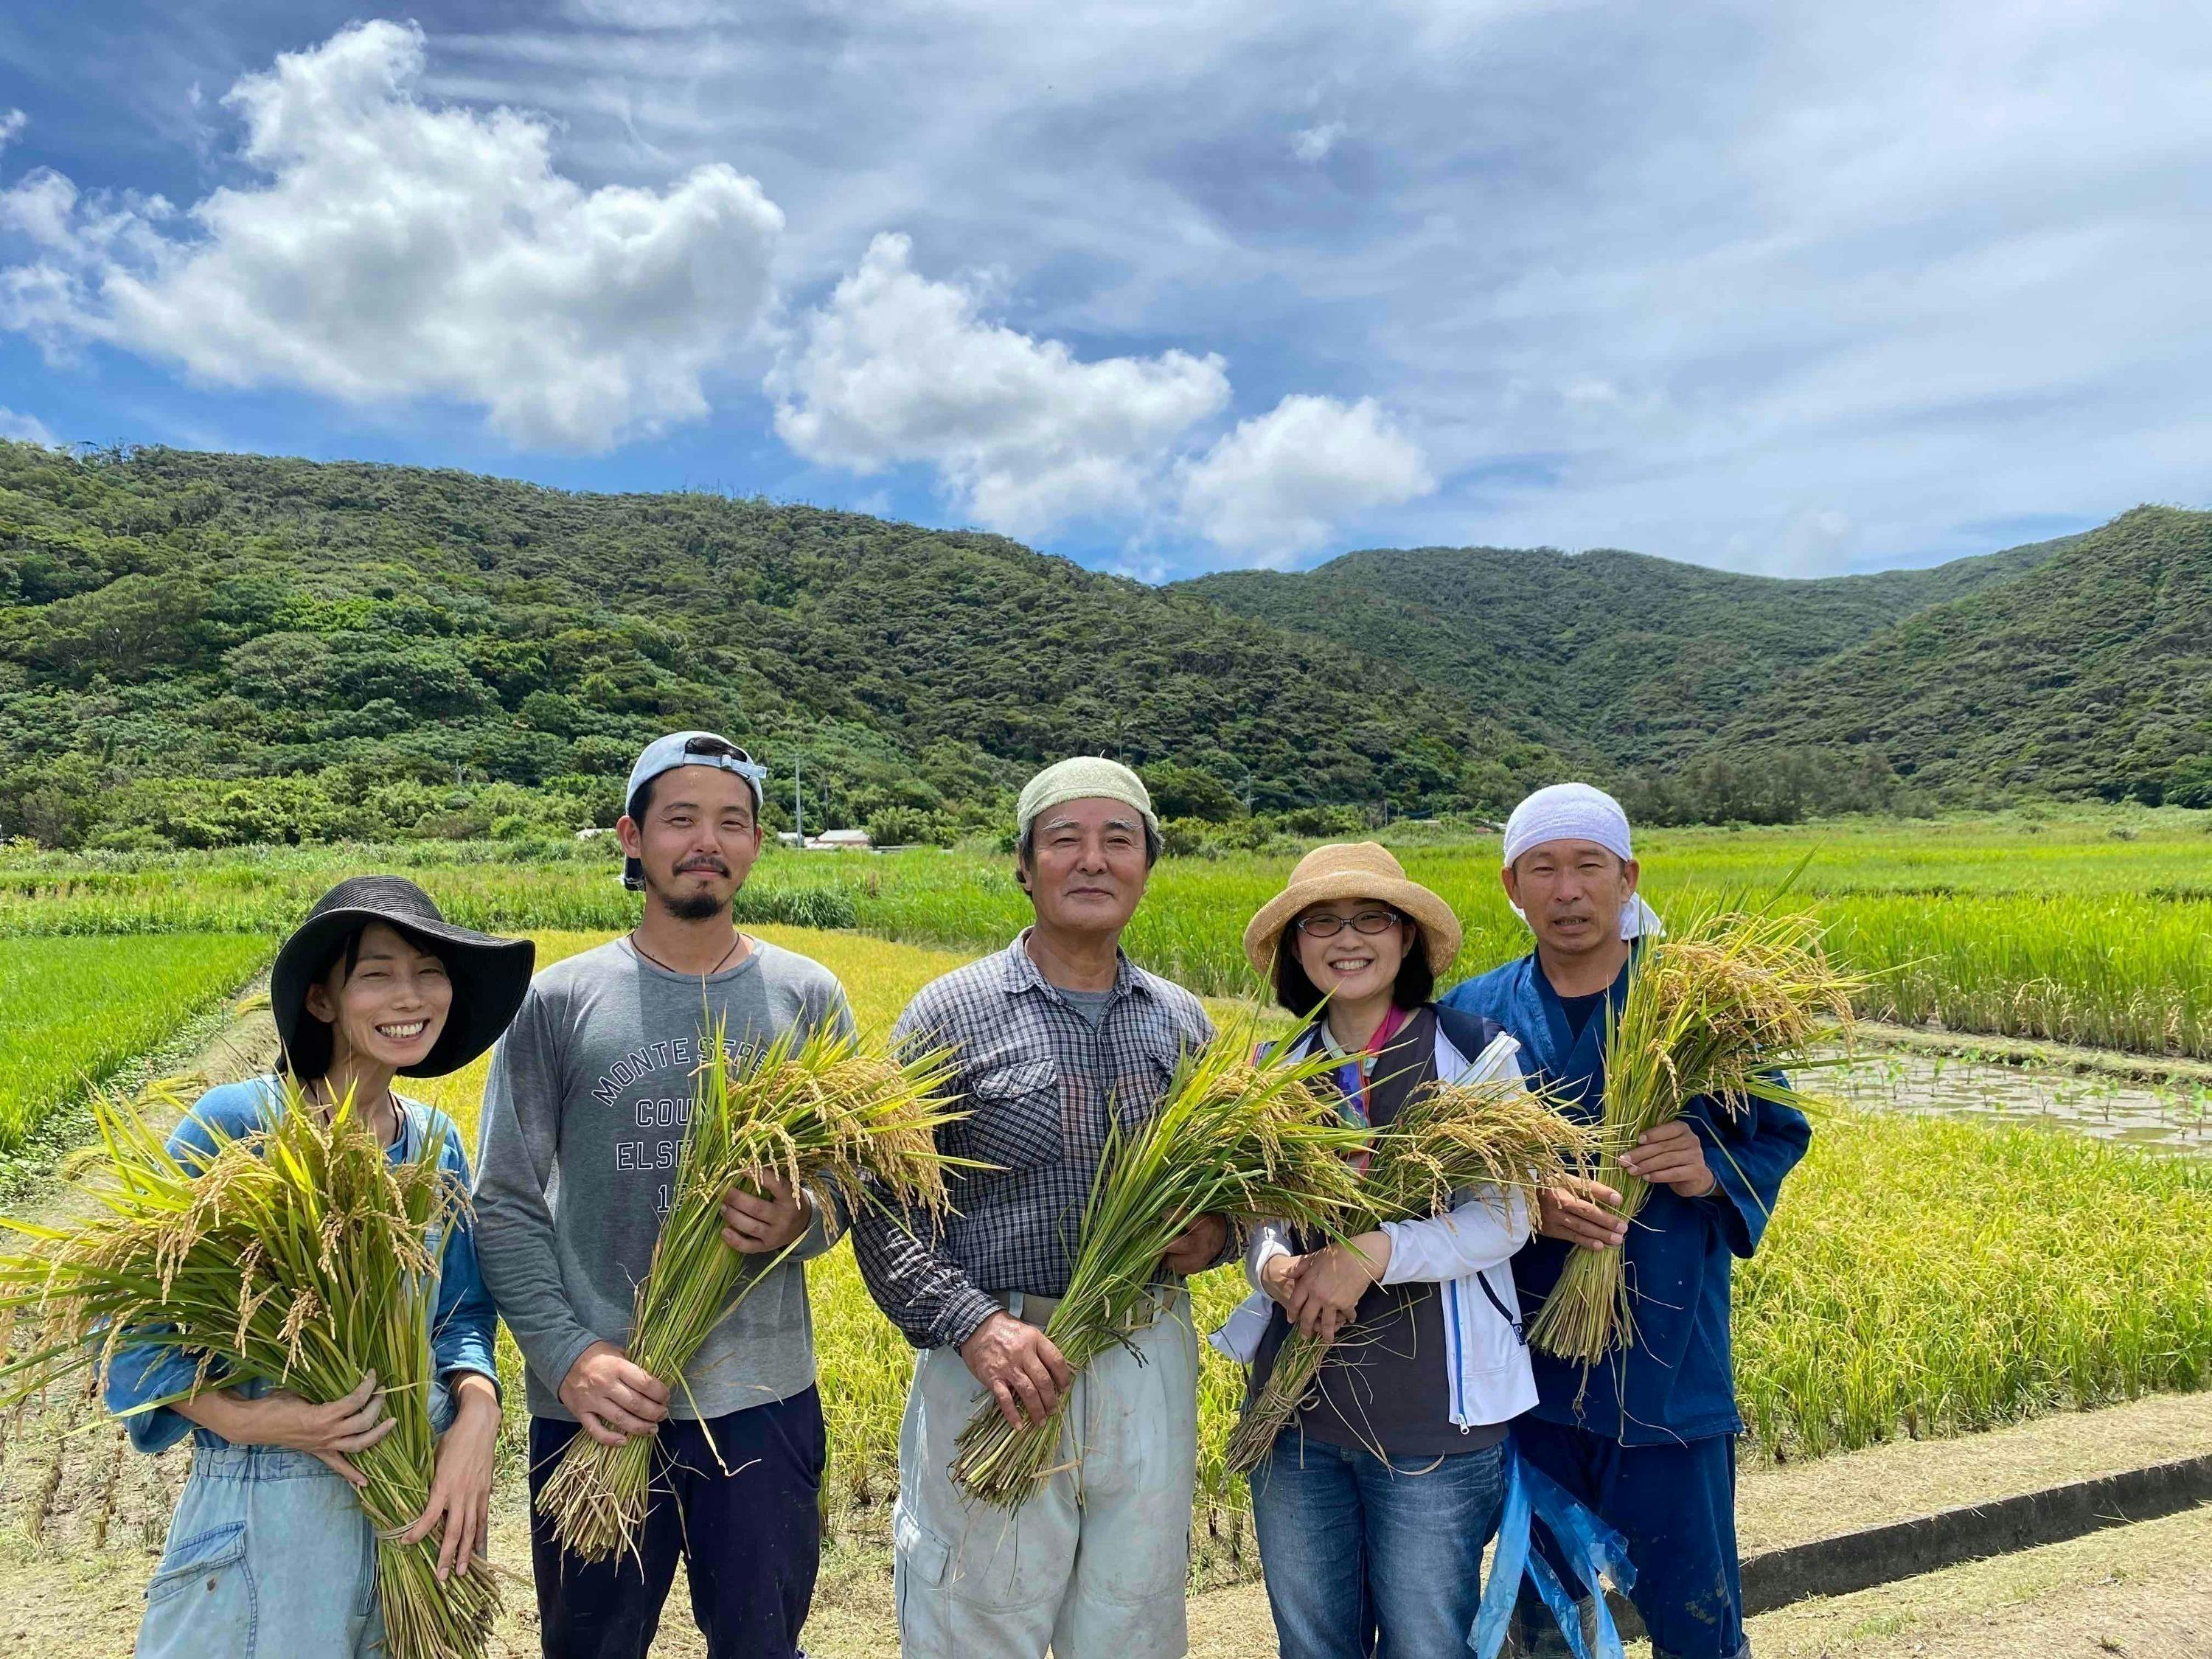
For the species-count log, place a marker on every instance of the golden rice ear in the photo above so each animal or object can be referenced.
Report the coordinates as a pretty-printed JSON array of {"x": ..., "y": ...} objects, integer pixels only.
[{"x": 818, "y": 1109}]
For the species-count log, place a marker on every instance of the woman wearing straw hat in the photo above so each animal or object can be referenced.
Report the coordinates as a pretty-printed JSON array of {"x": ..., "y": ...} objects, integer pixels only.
[
  {"x": 268, "y": 1552},
  {"x": 1375, "y": 1502}
]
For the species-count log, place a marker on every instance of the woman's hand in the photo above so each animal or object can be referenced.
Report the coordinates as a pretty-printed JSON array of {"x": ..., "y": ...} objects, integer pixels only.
[
  {"x": 460, "y": 1489},
  {"x": 331, "y": 1433},
  {"x": 1279, "y": 1277},
  {"x": 1329, "y": 1284}
]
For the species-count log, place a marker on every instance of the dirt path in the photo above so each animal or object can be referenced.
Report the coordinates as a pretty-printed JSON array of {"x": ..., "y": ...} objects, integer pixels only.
[{"x": 80, "y": 1523}]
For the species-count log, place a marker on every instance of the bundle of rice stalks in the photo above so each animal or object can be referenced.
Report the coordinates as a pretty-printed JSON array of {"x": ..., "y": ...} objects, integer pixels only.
[
  {"x": 1492, "y": 1136},
  {"x": 1244, "y": 1138},
  {"x": 297, "y": 1256},
  {"x": 824, "y": 1113},
  {"x": 1713, "y": 1009}
]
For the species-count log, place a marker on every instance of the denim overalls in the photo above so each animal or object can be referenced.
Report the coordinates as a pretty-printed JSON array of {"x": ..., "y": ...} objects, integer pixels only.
[{"x": 269, "y": 1554}]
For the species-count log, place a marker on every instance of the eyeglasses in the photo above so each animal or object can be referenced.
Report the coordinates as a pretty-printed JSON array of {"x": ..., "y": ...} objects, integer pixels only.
[{"x": 1370, "y": 923}]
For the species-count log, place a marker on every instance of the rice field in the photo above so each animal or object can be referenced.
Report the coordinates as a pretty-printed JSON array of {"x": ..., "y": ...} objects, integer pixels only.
[
  {"x": 2171, "y": 1113},
  {"x": 2093, "y": 928},
  {"x": 73, "y": 1010},
  {"x": 1922, "y": 1276}
]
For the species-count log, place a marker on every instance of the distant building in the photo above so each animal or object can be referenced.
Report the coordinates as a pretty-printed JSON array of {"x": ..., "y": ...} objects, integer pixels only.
[{"x": 840, "y": 840}]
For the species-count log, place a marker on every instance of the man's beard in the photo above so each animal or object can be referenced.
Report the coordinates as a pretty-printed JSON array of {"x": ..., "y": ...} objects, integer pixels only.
[{"x": 691, "y": 907}]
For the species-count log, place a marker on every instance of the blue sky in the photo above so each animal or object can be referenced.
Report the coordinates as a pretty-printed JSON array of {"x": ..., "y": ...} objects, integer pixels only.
[{"x": 1781, "y": 287}]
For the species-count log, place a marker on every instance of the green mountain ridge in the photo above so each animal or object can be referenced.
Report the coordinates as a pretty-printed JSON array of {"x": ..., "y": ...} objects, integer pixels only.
[
  {"x": 1617, "y": 657},
  {"x": 2090, "y": 672},
  {"x": 201, "y": 649},
  {"x": 174, "y": 624}
]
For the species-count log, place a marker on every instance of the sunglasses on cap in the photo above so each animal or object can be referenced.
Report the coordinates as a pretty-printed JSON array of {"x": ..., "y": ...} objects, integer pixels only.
[{"x": 718, "y": 749}]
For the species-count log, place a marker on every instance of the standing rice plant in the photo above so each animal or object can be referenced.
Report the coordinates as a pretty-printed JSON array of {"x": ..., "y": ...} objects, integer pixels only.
[
  {"x": 297, "y": 1256},
  {"x": 1712, "y": 1010},
  {"x": 1250, "y": 1138},
  {"x": 1492, "y": 1136},
  {"x": 821, "y": 1112}
]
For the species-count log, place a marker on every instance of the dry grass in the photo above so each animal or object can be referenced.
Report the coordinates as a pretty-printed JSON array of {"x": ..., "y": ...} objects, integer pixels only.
[
  {"x": 1493, "y": 1138},
  {"x": 1711, "y": 1009},
  {"x": 1248, "y": 1138},
  {"x": 820, "y": 1112},
  {"x": 295, "y": 1256}
]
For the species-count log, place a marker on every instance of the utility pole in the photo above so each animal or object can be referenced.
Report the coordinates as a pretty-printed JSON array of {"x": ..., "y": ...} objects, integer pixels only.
[{"x": 797, "y": 802}]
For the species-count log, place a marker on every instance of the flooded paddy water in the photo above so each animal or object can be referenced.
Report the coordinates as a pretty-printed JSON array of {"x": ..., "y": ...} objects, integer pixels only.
[{"x": 2171, "y": 1114}]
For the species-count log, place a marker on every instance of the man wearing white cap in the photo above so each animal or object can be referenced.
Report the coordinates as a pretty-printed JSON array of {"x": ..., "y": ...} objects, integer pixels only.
[
  {"x": 1646, "y": 1438},
  {"x": 1055, "y": 1038}
]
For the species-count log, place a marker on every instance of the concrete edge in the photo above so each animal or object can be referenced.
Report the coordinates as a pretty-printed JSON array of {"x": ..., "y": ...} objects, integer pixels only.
[{"x": 1862, "y": 1559}]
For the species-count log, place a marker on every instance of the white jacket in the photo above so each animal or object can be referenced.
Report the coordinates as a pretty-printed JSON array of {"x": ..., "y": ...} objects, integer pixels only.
[{"x": 1468, "y": 1249}]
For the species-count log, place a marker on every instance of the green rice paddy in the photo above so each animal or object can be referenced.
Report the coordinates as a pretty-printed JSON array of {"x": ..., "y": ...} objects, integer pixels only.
[{"x": 73, "y": 1010}]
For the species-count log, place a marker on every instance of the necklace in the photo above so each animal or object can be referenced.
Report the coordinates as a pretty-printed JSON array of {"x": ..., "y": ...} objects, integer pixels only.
[
  {"x": 666, "y": 969},
  {"x": 330, "y": 1106}
]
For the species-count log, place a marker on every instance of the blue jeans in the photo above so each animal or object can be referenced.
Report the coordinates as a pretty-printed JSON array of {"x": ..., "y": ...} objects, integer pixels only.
[
  {"x": 1364, "y": 1557},
  {"x": 270, "y": 1556}
]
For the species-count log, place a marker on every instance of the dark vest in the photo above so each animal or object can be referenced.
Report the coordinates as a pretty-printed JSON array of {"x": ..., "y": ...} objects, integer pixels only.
[{"x": 1383, "y": 1387}]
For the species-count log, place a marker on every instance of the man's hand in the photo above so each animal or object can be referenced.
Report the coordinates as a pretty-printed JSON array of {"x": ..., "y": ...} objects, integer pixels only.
[
  {"x": 1279, "y": 1276},
  {"x": 1581, "y": 1212},
  {"x": 767, "y": 1222},
  {"x": 1197, "y": 1246},
  {"x": 1019, "y": 1365},
  {"x": 1672, "y": 1156},
  {"x": 1330, "y": 1282},
  {"x": 461, "y": 1488},
  {"x": 612, "y": 1399}
]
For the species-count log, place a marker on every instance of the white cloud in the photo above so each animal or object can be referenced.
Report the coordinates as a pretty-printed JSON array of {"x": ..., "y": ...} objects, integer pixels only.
[
  {"x": 395, "y": 249},
  {"x": 12, "y": 123},
  {"x": 896, "y": 368},
  {"x": 26, "y": 429},
  {"x": 1313, "y": 143},
  {"x": 1277, "y": 485}
]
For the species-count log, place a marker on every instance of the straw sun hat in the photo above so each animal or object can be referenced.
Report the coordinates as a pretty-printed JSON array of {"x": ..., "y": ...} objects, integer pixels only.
[{"x": 1357, "y": 870}]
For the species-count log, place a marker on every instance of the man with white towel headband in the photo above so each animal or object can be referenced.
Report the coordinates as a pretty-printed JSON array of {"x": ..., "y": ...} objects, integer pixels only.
[{"x": 1646, "y": 1437}]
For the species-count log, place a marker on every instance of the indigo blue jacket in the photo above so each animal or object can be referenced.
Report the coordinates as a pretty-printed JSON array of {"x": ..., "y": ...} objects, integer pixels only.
[
  {"x": 462, "y": 1323},
  {"x": 1677, "y": 1380}
]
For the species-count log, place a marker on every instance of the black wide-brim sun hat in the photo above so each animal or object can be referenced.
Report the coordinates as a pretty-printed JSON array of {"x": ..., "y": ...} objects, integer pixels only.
[{"x": 489, "y": 974}]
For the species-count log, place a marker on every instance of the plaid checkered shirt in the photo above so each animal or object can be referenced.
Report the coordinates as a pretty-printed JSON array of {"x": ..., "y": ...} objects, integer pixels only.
[{"x": 1037, "y": 1082}]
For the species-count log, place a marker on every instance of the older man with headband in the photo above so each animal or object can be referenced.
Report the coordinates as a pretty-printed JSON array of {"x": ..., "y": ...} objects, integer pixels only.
[
  {"x": 1057, "y": 1039},
  {"x": 1646, "y": 1438}
]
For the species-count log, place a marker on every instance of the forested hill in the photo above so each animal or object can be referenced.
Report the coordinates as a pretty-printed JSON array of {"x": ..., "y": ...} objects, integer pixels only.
[
  {"x": 202, "y": 649},
  {"x": 1638, "y": 660},
  {"x": 2090, "y": 673},
  {"x": 383, "y": 642}
]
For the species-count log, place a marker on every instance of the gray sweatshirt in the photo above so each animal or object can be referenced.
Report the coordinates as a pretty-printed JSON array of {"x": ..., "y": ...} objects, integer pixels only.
[{"x": 583, "y": 1117}]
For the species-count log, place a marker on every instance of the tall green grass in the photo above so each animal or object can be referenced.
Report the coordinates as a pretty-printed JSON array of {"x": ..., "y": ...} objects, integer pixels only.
[
  {"x": 73, "y": 1010},
  {"x": 2093, "y": 928},
  {"x": 1931, "y": 1277}
]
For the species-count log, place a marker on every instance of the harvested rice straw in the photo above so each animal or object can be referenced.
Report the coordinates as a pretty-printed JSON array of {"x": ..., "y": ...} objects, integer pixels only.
[
  {"x": 1491, "y": 1135},
  {"x": 1713, "y": 1008},
  {"x": 297, "y": 1256},
  {"x": 822, "y": 1112},
  {"x": 1248, "y": 1138}
]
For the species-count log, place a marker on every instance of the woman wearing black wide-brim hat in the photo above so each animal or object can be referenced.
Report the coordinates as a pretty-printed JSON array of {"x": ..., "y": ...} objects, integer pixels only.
[{"x": 269, "y": 1551}]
